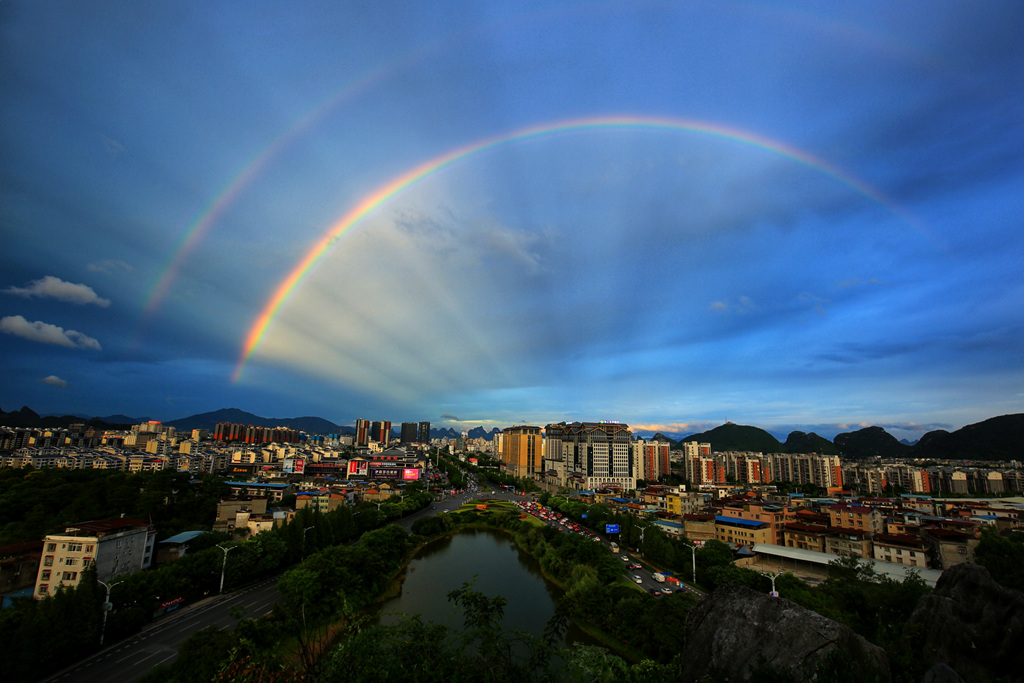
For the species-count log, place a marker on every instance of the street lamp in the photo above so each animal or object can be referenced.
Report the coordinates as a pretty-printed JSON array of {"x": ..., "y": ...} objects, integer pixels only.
[
  {"x": 774, "y": 592},
  {"x": 225, "y": 564},
  {"x": 304, "y": 532},
  {"x": 106, "y": 607},
  {"x": 693, "y": 552}
]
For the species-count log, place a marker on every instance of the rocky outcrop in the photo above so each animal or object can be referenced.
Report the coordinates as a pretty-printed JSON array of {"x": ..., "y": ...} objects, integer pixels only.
[
  {"x": 736, "y": 634},
  {"x": 972, "y": 624}
]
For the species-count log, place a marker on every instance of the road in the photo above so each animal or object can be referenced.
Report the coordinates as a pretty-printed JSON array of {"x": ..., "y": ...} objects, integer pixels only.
[
  {"x": 158, "y": 643},
  {"x": 647, "y": 581}
]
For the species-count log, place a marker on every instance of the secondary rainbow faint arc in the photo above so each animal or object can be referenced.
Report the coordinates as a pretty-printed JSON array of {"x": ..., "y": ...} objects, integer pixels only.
[{"x": 418, "y": 173}]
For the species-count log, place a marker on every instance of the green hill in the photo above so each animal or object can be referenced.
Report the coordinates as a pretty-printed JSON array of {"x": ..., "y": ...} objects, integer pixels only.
[{"x": 734, "y": 437}]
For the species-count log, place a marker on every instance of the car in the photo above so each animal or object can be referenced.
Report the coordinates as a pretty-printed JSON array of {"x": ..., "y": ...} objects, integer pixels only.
[
  {"x": 666, "y": 591},
  {"x": 624, "y": 558},
  {"x": 637, "y": 579}
]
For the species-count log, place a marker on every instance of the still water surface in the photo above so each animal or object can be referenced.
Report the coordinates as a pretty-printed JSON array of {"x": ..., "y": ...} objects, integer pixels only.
[{"x": 495, "y": 566}]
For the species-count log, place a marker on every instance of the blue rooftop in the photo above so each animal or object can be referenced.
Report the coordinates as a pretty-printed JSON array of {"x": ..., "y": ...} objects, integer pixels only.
[
  {"x": 740, "y": 522},
  {"x": 183, "y": 537},
  {"x": 258, "y": 486}
]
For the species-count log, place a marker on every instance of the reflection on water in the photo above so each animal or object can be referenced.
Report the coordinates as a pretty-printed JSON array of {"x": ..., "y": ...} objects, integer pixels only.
[{"x": 495, "y": 566}]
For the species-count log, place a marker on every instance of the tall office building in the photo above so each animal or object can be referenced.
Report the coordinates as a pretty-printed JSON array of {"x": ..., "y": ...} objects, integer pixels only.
[
  {"x": 595, "y": 454},
  {"x": 423, "y": 433},
  {"x": 362, "y": 432},
  {"x": 522, "y": 450},
  {"x": 409, "y": 432},
  {"x": 380, "y": 431}
]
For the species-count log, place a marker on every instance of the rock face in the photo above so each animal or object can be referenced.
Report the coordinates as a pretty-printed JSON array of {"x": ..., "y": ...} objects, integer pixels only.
[
  {"x": 972, "y": 624},
  {"x": 735, "y": 632}
]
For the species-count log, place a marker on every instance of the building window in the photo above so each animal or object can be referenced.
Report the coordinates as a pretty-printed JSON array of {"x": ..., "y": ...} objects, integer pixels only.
[
  {"x": 45, "y": 576},
  {"x": 43, "y": 588},
  {"x": 51, "y": 547},
  {"x": 70, "y": 576},
  {"x": 48, "y": 561},
  {"x": 71, "y": 561},
  {"x": 75, "y": 547}
]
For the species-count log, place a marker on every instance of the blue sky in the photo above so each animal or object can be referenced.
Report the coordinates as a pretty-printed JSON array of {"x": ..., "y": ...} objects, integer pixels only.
[{"x": 847, "y": 253}]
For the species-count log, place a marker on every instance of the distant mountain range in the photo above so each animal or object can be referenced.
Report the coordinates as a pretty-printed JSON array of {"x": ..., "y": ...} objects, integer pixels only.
[{"x": 998, "y": 438}]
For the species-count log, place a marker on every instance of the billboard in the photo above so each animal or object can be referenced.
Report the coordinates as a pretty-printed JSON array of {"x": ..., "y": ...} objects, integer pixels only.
[
  {"x": 611, "y": 528},
  {"x": 385, "y": 472},
  {"x": 358, "y": 468},
  {"x": 410, "y": 474},
  {"x": 294, "y": 466}
]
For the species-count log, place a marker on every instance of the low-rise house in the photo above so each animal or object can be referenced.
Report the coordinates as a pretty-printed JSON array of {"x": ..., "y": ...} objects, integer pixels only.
[
  {"x": 699, "y": 527},
  {"x": 849, "y": 542},
  {"x": 805, "y": 536},
  {"x": 114, "y": 546},
  {"x": 949, "y": 547},
  {"x": 176, "y": 546},
  {"x": 742, "y": 532},
  {"x": 19, "y": 565},
  {"x": 905, "y": 549},
  {"x": 857, "y": 517}
]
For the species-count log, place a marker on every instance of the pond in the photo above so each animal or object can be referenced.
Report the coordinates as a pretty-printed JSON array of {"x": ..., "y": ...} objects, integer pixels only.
[{"x": 495, "y": 566}]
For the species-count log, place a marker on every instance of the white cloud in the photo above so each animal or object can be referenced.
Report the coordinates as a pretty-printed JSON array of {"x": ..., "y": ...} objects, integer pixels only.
[
  {"x": 673, "y": 427},
  {"x": 47, "y": 333},
  {"x": 56, "y": 288},
  {"x": 743, "y": 304},
  {"x": 54, "y": 381},
  {"x": 816, "y": 302},
  {"x": 110, "y": 266}
]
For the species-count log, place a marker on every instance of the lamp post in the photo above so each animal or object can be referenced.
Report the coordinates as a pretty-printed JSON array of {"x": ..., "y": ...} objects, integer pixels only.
[
  {"x": 693, "y": 552},
  {"x": 225, "y": 564},
  {"x": 106, "y": 608},
  {"x": 304, "y": 532},
  {"x": 774, "y": 592}
]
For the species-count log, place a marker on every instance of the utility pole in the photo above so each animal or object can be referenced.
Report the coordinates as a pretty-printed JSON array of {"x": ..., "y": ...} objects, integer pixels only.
[
  {"x": 106, "y": 608},
  {"x": 225, "y": 564},
  {"x": 693, "y": 552},
  {"x": 304, "y": 532}
]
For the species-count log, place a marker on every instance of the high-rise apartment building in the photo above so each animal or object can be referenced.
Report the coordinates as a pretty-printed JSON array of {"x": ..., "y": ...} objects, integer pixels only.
[
  {"x": 380, "y": 431},
  {"x": 362, "y": 432},
  {"x": 423, "y": 433},
  {"x": 651, "y": 459},
  {"x": 522, "y": 450},
  {"x": 408, "y": 433},
  {"x": 594, "y": 454}
]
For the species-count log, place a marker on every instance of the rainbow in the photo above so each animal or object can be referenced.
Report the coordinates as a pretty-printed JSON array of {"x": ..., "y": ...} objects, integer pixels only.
[
  {"x": 427, "y": 168},
  {"x": 212, "y": 212}
]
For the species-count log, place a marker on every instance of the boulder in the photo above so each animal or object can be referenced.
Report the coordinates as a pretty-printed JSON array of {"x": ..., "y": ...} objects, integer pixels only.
[
  {"x": 972, "y": 624},
  {"x": 738, "y": 634}
]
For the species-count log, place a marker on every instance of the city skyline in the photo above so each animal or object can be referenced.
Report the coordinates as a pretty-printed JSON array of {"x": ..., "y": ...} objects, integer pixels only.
[{"x": 782, "y": 215}]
